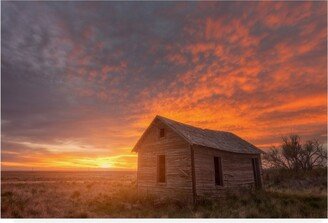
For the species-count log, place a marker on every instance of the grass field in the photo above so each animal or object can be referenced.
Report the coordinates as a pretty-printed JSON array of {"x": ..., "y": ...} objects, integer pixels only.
[{"x": 113, "y": 194}]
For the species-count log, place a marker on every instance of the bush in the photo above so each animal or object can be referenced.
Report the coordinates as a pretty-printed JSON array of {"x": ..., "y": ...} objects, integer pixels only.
[{"x": 293, "y": 155}]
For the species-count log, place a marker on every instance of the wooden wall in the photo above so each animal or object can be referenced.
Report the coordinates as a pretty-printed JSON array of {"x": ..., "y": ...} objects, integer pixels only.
[
  {"x": 178, "y": 163},
  {"x": 237, "y": 171}
]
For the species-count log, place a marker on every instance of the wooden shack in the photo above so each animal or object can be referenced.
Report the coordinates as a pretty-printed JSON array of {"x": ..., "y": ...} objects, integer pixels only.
[{"x": 176, "y": 159}]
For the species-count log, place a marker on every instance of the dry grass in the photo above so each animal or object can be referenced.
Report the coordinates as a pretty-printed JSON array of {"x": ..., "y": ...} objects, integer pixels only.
[
  {"x": 107, "y": 194},
  {"x": 51, "y": 194}
]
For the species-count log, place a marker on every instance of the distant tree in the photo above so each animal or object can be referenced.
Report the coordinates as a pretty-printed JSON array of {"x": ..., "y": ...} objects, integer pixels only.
[{"x": 293, "y": 155}]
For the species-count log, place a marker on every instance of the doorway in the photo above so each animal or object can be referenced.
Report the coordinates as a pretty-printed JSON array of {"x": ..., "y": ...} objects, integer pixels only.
[{"x": 257, "y": 173}]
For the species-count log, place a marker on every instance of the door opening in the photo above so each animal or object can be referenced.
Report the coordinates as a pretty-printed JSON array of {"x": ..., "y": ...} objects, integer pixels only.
[{"x": 257, "y": 173}]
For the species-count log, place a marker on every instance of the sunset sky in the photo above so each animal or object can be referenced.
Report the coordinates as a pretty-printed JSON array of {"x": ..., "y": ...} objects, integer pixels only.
[{"x": 80, "y": 81}]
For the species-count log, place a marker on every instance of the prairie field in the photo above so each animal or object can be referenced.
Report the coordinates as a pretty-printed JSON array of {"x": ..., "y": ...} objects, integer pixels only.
[{"x": 110, "y": 194}]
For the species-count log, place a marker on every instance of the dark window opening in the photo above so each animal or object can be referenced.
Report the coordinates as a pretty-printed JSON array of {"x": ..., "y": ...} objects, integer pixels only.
[
  {"x": 256, "y": 172},
  {"x": 218, "y": 171},
  {"x": 161, "y": 169},
  {"x": 161, "y": 133}
]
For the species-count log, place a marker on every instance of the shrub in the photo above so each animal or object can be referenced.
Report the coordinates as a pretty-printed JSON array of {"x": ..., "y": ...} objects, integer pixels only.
[{"x": 293, "y": 155}]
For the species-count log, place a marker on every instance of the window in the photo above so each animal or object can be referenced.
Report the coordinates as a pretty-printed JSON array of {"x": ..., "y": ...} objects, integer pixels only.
[
  {"x": 218, "y": 171},
  {"x": 161, "y": 169},
  {"x": 161, "y": 133}
]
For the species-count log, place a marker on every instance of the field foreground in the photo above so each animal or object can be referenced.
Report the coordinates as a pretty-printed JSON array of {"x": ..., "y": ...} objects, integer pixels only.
[{"x": 113, "y": 194}]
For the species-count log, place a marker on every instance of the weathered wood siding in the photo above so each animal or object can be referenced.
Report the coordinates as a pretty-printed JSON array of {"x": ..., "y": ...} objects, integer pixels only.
[
  {"x": 236, "y": 168},
  {"x": 178, "y": 163}
]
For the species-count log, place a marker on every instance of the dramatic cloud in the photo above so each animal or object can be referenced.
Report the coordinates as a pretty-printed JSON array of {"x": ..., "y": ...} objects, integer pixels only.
[{"x": 82, "y": 80}]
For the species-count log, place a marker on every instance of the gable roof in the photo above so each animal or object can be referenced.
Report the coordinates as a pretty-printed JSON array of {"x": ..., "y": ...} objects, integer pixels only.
[{"x": 220, "y": 140}]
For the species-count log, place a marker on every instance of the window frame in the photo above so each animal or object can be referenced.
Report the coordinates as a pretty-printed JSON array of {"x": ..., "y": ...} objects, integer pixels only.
[{"x": 218, "y": 171}]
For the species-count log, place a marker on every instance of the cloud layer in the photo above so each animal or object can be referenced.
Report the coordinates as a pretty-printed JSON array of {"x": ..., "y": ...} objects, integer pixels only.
[{"x": 82, "y": 80}]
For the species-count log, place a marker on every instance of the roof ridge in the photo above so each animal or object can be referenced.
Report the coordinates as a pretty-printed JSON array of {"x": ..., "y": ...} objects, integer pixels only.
[
  {"x": 181, "y": 123},
  {"x": 206, "y": 129}
]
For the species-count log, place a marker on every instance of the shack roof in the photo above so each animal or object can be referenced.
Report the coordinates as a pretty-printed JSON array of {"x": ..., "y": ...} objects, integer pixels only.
[{"x": 221, "y": 140}]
